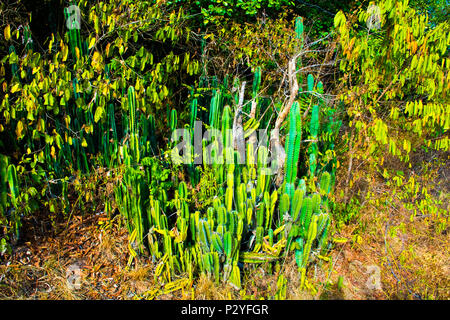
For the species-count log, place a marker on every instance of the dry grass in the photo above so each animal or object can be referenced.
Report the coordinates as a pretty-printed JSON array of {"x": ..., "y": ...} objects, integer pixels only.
[
  {"x": 412, "y": 261},
  {"x": 411, "y": 253}
]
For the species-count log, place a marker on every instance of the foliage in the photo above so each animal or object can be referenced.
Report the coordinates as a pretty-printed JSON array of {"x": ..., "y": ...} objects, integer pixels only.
[
  {"x": 64, "y": 109},
  {"x": 394, "y": 81},
  {"x": 211, "y": 10},
  {"x": 422, "y": 200},
  {"x": 274, "y": 43},
  {"x": 106, "y": 117},
  {"x": 437, "y": 10}
]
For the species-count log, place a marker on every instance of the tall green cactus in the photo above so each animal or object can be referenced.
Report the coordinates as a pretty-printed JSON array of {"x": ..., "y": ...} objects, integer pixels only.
[
  {"x": 14, "y": 191},
  {"x": 215, "y": 110},
  {"x": 75, "y": 39},
  {"x": 193, "y": 114},
  {"x": 300, "y": 40},
  {"x": 256, "y": 82},
  {"x": 293, "y": 150},
  {"x": 3, "y": 185},
  {"x": 226, "y": 128},
  {"x": 299, "y": 28},
  {"x": 134, "y": 132},
  {"x": 314, "y": 130},
  {"x": 173, "y": 120}
]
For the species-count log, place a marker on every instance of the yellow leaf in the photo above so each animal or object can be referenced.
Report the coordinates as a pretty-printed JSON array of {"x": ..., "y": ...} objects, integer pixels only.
[
  {"x": 105, "y": 90},
  {"x": 98, "y": 114},
  {"x": 19, "y": 129},
  {"x": 84, "y": 143},
  {"x": 65, "y": 52},
  {"x": 7, "y": 32},
  {"x": 15, "y": 88},
  {"x": 50, "y": 45},
  {"x": 340, "y": 240},
  {"x": 96, "y": 56},
  {"x": 107, "y": 49},
  {"x": 96, "y": 60}
]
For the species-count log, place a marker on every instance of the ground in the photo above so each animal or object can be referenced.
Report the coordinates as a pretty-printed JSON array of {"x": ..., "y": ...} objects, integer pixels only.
[{"x": 380, "y": 254}]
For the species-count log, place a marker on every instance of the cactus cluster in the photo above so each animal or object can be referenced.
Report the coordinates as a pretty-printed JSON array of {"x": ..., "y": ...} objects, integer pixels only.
[{"x": 249, "y": 221}]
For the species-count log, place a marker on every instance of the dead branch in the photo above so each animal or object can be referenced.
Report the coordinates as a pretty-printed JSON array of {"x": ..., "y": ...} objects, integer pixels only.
[{"x": 277, "y": 148}]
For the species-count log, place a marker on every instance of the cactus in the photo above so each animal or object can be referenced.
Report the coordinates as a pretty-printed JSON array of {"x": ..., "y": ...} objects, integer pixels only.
[
  {"x": 271, "y": 208},
  {"x": 256, "y": 82},
  {"x": 134, "y": 134},
  {"x": 14, "y": 189},
  {"x": 306, "y": 213},
  {"x": 74, "y": 37},
  {"x": 226, "y": 128},
  {"x": 325, "y": 183},
  {"x": 9, "y": 185},
  {"x": 316, "y": 200},
  {"x": 297, "y": 202},
  {"x": 281, "y": 288},
  {"x": 193, "y": 117},
  {"x": 300, "y": 38},
  {"x": 314, "y": 130},
  {"x": 284, "y": 204},
  {"x": 3, "y": 185},
  {"x": 214, "y": 110},
  {"x": 299, "y": 28},
  {"x": 310, "y": 237},
  {"x": 293, "y": 150},
  {"x": 173, "y": 120}
]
